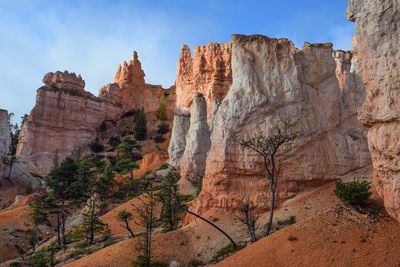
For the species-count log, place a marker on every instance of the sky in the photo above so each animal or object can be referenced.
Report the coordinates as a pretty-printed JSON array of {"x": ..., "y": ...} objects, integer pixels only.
[{"x": 92, "y": 37}]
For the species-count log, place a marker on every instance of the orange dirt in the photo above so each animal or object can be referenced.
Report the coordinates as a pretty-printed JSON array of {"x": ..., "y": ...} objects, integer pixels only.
[
  {"x": 150, "y": 162},
  {"x": 14, "y": 221},
  {"x": 115, "y": 226}
]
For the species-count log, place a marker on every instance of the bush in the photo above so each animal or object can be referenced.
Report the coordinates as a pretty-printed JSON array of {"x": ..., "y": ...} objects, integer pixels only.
[
  {"x": 195, "y": 263},
  {"x": 141, "y": 262},
  {"x": 291, "y": 220},
  {"x": 96, "y": 146},
  {"x": 353, "y": 193},
  {"x": 140, "y": 125},
  {"x": 114, "y": 141},
  {"x": 163, "y": 128},
  {"x": 128, "y": 114},
  {"x": 159, "y": 138},
  {"x": 163, "y": 166},
  {"x": 223, "y": 253},
  {"x": 28, "y": 189}
]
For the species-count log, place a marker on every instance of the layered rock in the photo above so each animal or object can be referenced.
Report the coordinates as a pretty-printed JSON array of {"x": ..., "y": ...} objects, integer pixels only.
[
  {"x": 62, "y": 80},
  {"x": 197, "y": 143},
  {"x": 5, "y": 138},
  {"x": 135, "y": 92},
  {"x": 377, "y": 45},
  {"x": 274, "y": 82},
  {"x": 208, "y": 72},
  {"x": 111, "y": 92},
  {"x": 63, "y": 119}
]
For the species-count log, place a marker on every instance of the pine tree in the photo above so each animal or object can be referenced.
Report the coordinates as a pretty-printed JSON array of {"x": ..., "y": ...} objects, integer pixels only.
[
  {"x": 91, "y": 222},
  {"x": 169, "y": 196},
  {"x": 162, "y": 110},
  {"x": 125, "y": 216},
  {"x": 140, "y": 124}
]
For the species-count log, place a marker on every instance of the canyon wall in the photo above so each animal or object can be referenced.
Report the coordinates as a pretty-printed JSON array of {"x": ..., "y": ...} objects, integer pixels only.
[
  {"x": 64, "y": 118},
  {"x": 5, "y": 139},
  {"x": 274, "y": 82},
  {"x": 377, "y": 45}
]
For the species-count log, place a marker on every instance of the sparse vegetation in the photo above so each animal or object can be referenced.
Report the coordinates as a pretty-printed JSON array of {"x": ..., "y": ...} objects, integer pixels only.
[
  {"x": 354, "y": 193},
  {"x": 223, "y": 253},
  {"x": 158, "y": 138},
  {"x": 96, "y": 146},
  {"x": 163, "y": 128},
  {"x": 163, "y": 166},
  {"x": 92, "y": 223},
  {"x": 195, "y": 263},
  {"x": 291, "y": 220},
  {"x": 162, "y": 110},
  {"x": 292, "y": 238},
  {"x": 11, "y": 156},
  {"x": 249, "y": 219}
]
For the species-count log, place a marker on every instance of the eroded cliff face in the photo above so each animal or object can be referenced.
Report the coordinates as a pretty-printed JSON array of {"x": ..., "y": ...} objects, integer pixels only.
[
  {"x": 208, "y": 72},
  {"x": 4, "y": 137},
  {"x": 64, "y": 118},
  {"x": 377, "y": 46},
  {"x": 274, "y": 82},
  {"x": 197, "y": 144},
  {"x": 135, "y": 92}
]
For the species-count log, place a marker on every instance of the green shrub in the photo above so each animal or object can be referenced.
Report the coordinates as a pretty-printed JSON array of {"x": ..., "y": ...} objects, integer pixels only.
[
  {"x": 195, "y": 263},
  {"x": 353, "y": 193},
  {"x": 223, "y": 253},
  {"x": 163, "y": 166},
  {"x": 141, "y": 262},
  {"x": 291, "y": 220},
  {"x": 28, "y": 189}
]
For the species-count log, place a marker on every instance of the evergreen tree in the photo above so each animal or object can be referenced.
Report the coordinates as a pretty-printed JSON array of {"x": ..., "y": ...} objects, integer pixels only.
[
  {"x": 103, "y": 182},
  {"x": 92, "y": 223},
  {"x": 10, "y": 158},
  {"x": 125, "y": 216},
  {"x": 162, "y": 110},
  {"x": 140, "y": 124},
  {"x": 169, "y": 196}
]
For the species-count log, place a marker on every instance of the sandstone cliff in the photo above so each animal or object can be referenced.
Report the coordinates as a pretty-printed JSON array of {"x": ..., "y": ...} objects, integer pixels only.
[
  {"x": 65, "y": 117},
  {"x": 208, "y": 72},
  {"x": 4, "y": 136},
  {"x": 135, "y": 92},
  {"x": 377, "y": 45},
  {"x": 273, "y": 82}
]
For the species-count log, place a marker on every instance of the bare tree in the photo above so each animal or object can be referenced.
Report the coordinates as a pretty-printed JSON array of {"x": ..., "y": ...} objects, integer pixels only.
[
  {"x": 268, "y": 147},
  {"x": 146, "y": 219},
  {"x": 249, "y": 219}
]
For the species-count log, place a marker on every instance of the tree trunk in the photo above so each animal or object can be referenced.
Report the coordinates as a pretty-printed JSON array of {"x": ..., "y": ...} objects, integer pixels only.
[
  {"x": 271, "y": 213},
  {"x": 128, "y": 228}
]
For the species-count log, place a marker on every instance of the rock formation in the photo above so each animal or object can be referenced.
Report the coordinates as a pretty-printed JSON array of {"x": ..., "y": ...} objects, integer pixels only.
[
  {"x": 63, "y": 119},
  {"x": 177, "y": 143},
  {"x": 197, "y": 142},
  {"x": 135, "y": 93},
  {"x": 64, "y": 80},
  {"x": 111, "y": 92},
  {"x": 4, "y": 136},
  {"x": 274, "y": 82},
  {"x": 208, "y": 72},
  {"x": 377, "y": 46}
]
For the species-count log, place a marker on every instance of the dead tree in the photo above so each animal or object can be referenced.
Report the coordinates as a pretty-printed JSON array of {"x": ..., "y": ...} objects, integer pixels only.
[
  {"x": 249, "y": 219},
  {"x": 146, "y": 219},
  {"x": 268, "y": 146}
]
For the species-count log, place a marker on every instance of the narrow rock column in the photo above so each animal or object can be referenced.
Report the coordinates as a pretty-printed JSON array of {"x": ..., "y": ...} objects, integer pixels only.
[{"x": 178, "y": 137}]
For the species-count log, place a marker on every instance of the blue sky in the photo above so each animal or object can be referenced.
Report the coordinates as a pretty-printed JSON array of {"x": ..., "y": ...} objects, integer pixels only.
[{"x": 92, "y": 37}]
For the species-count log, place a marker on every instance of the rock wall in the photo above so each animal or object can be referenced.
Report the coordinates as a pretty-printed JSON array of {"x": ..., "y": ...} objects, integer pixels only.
[
  {"x": 273, "y": 82},
  {"x": 208, "y": 72},
  {"x": 177, "y": 143},
  {"x": 377, "y": 45},
  {"x": 5, "y": 139},
  {"x": 62, "y": 120},
  {"x": 197, "y": 143}
]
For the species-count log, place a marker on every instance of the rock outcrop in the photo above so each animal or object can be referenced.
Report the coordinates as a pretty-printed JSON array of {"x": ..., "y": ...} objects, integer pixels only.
[
  {"x": 64, "y": 80},
  {"x": 4, "y": 136},
  {"x": 377, "y": 46},
  {"x": 177, "y": 143},
  {"x": 274, "y": 82},
  {"x": 135, "y": 92},
  {"x": 197, "y": 143},
  {"x": 63, "y": 119},
  {"x": 111, "y": 92},
  {"x": 208, "y": 72}
]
